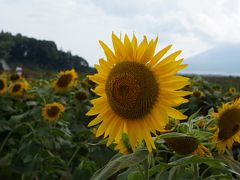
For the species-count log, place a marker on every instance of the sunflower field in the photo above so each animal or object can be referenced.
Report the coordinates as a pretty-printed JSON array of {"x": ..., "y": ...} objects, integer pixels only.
[{"x": 135, "y": 119}]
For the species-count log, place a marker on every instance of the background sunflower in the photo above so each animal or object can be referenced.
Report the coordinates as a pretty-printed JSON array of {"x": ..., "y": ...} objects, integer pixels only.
[
  {"x": 3, "y": 85},
  {"x": 51, "y": 112},
  {"x": 66, "y": 80},
  {"x": 228, "y": 126},
  {"x": 18, "y": 88},
  {"x": 187, "y": 145}
]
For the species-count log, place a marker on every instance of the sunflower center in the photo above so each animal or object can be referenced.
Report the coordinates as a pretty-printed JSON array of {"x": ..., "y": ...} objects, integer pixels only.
[
  {"x": 16, "y": 88},
  {"x": 2, "y": 85},
  {"x": 196, "y": 94},
  {"x": 182, "y": 145},
  {"x": 64, "y": 80},
  {"x": 15, "y": 77},
  {"x": 131, "y": 90},
  {"x": 81, "y": 96},
  {"x": 229, "y": 124},
  {"x": 53, "y": 111}
]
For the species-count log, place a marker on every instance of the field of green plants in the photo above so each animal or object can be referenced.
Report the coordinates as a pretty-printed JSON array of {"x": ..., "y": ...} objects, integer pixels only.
[{"x": 35, "y": 147}]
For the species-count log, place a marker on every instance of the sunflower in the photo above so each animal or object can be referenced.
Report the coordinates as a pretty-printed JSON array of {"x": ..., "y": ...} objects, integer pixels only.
[
  {"x": 187, "y": 145},
  {"x": 216, "y": 87},
  {"x": 188, "y": 87},
  {"x": 201, "y": 123},
  {"x": 138, "y": 90},
  {"x": 66, "y": 80},
  {"x": 232, "y": 90},
  {"x": 15, "y": 77},
  {"x": 18, "y": 88},
  {"x": 3, "y": 85},
  {"x": 81, "y": 96},
  {"x": 52, "y": 112},
  {"x": 197, "y": 93},
  {"x": 170, "y": 126},
  {"x": 228, "y": 127}
]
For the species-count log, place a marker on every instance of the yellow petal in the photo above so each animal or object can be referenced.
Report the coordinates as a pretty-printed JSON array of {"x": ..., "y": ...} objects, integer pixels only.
[
  {"x": 108, "y": 52},
  {"x": 129, "y": 48},
  {"x": 119, "y": 48},
  {"x": 174, "y": 113},
  {"x": 159, "y": 55}
]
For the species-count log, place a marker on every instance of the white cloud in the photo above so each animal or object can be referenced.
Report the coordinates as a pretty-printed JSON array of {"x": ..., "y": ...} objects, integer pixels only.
[{"x": 77, "y": 25}]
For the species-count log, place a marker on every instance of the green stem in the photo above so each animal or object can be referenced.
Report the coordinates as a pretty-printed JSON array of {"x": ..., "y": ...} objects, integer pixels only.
[
  {"x": 195, "y": 171},
  {"x": 10, "y": 133},
  {"x": 204, "y": 172},
  {"x": 74, "y": 154},
  {"x": 141, "y": 170},
  {"x": 5, "y": 140},
  {"x": 145, "y": 166}
]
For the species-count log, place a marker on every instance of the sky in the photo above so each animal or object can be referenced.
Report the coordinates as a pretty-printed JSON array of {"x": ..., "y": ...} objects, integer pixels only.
[{"x": 77, "y": 25}]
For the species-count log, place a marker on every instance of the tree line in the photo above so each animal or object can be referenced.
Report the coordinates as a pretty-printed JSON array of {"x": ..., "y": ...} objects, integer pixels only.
[{"x": 33, "y": 53}]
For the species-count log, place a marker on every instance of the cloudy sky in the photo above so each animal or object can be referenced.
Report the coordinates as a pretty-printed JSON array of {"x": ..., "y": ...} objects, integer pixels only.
[{"x": 77, "y": 25}]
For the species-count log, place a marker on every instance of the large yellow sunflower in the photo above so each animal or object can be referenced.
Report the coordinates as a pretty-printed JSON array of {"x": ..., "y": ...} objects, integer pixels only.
[
  {"x": 3, "y": 85},
  {"x": 187, "y": 145},
  {"x": 18, "y": 88},
  {"x": 52, "y": 112},
  {"x": 138, "y": 90},
  {"x": 66, "y": 80},
  {"x": 228, "y": 128}
]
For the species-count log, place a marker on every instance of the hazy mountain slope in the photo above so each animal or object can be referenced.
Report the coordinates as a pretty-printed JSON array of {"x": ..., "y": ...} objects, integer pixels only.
[{"x": 220, "y": 60}]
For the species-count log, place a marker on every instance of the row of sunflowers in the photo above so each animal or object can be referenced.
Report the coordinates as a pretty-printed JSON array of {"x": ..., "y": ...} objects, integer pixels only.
[{"x": 153, "y": 123}]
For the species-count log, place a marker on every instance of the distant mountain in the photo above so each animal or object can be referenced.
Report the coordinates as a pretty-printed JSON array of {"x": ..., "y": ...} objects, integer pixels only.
[
  {"x": 38, "y": 54},
  {"x": 222, "y": 60}
]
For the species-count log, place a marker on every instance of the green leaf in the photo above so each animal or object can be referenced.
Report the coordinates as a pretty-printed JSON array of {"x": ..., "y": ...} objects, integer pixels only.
[
  {"x": 122, "y": 162},
  {"x": 84, "y": 170},
  {"x": 200, "y": 134},
  {"x": 124, "y": 175},
  {"x": 194, "y": 115},
  {"x": 197, "y": 159},
  {"x": 19, "y": 117},
  {"x": 220, "y": 176},
  {"x": 160, "y": 168},
  {"x": 6, "y": 160},
  {"x": 7, "y": 108},
  {"x": 4, "y": 125},
  {"x": 172, "y": 135},
  {"x": 61, "y": 132},
  {"x": 136, "y": 175},
  {"x": 233, "y": 164},
  {"x": 31, "y": 103},
  {"x": 173, "y": 173}
]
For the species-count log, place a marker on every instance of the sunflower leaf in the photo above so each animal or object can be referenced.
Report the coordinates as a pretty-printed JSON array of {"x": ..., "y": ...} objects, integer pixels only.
[
  {"x": 197, "y": 159},
  {"x": 171, "y": 135},
  {"x": 194, "y": 115},
  {"x": 119, "y": 163}
]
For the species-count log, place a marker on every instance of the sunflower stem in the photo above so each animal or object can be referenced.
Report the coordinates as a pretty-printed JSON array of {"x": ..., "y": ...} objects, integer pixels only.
[
  {"x": 141, "y": 170},
  {"x": 10, "y": 133},
  {"x": 5, "y": 140},
  {"x": 195, "y": 171},
  {"x": 74, "y": 154},
  {"x": 145, "y": 166}
]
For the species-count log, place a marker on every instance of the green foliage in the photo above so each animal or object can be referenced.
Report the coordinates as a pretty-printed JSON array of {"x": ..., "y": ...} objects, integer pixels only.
[
  {"x": 38, "y": 54},
  {"x": 33, "y": 148}
]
